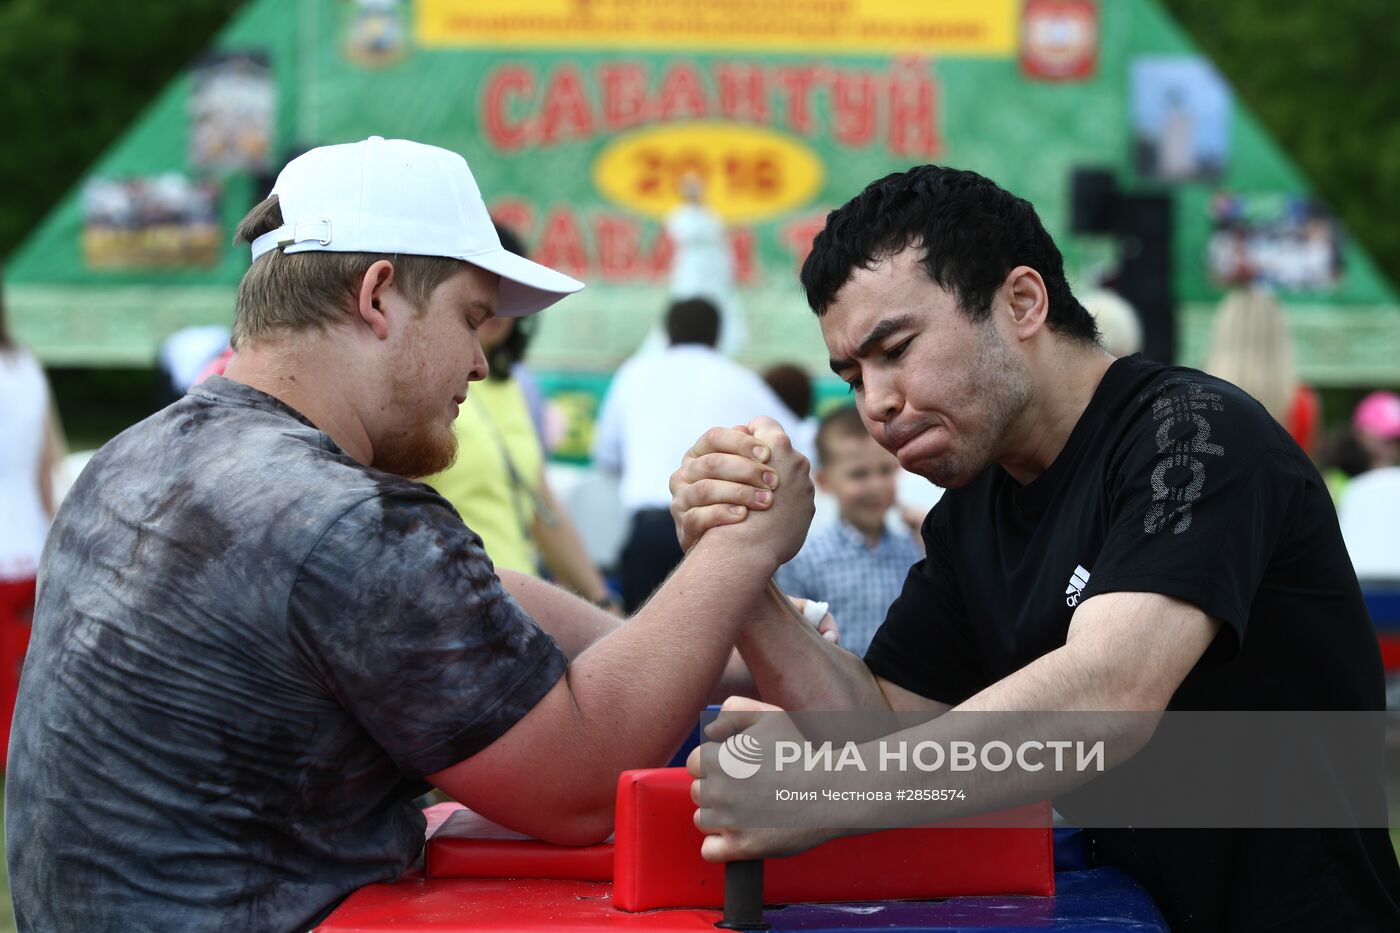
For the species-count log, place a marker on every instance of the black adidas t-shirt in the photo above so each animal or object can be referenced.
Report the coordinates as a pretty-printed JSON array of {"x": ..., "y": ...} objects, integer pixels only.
[{"x": 1177, "y": 483}]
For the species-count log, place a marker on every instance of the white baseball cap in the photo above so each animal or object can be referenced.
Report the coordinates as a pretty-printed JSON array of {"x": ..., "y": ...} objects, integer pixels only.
[{"x": 396, "y": 196}]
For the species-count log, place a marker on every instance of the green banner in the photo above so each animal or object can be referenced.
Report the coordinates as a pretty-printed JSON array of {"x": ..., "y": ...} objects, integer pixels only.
[{"x": 584, "y": 127}]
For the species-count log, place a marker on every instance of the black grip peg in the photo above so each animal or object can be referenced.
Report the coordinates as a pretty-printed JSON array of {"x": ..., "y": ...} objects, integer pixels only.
[{"x": 743, "y": 896}]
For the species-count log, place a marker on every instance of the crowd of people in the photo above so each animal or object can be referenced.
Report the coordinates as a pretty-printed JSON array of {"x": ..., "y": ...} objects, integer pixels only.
[{"x": 314, "y": 585}]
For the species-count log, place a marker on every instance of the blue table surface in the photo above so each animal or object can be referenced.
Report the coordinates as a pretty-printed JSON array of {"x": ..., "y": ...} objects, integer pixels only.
[
  {"x": 1383, "y": 602},
  {"x": 1092, "y": 901}
]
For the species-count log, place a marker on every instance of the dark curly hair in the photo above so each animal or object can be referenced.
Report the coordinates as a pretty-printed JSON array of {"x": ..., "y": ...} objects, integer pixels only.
[
  {"x": 972, "y": 231},
  {"x": 510, "y": 351},
  {"x": 694, "y": 320}
]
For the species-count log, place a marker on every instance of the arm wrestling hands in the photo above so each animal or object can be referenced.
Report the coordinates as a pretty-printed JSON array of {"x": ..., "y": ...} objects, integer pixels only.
[
  {"x": 722, "y": 481},
  {"x": 730, "y": 472},
  {"x": 630, "y": 694}
]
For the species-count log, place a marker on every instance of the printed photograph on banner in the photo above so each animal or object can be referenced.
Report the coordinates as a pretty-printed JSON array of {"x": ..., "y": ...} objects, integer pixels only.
[
  {"x": 1060, "y": 39},
  {"x": 150, "y": 222},
  {"x": 376, "y": 32},
  {"x": 232, "y": 109},
  {"x": 1289, "y": 241},
  {"x": 1181, "y": 111}
]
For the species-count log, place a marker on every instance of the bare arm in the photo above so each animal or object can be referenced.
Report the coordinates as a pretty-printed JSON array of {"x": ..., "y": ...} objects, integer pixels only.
[
  {"x": 795, "y": 668},
  {"x": 563, "y": 550},
  {"x": 53, "y": 453},
  {"x": 630, "y": 697},
  {"x": 574, "y": 625}
]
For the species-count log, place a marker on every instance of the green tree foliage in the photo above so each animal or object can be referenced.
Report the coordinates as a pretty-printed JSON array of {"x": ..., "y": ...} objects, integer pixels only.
[
  {"x": 1319, "y": 77},
  {"x": 73, "y": 75}
]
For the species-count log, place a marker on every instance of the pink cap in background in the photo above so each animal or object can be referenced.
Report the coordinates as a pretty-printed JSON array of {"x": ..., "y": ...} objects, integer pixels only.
[{"x": 1379, "y": 414}]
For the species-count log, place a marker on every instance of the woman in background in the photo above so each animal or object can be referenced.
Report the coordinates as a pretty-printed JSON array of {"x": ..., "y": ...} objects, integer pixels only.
[
  {"x": 31, "y": 444},
  {"x": 1376, "y": 425},
  {"x": 497, "y": 483},
  {"x": 1251, "y": 347}
]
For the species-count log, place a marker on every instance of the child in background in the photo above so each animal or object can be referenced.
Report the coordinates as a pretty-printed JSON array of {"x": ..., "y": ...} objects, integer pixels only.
[{"x": 857, "y": 564}]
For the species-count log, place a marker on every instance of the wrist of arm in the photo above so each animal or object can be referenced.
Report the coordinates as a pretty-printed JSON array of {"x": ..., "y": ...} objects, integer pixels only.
[
  {"x": 795, "y": 668},
  {"x": 745, "y": 564}
]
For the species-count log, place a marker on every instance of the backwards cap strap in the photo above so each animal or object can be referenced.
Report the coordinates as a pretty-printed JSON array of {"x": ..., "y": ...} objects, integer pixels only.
[{"x": 288, "y": 234}]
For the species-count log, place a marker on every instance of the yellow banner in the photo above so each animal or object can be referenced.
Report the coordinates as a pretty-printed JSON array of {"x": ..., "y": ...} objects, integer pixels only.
[{"x": 885, "y": 27}]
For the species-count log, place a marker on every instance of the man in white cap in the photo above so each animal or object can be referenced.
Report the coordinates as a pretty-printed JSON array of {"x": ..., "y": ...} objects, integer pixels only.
[{"x": 257, "y": 639}]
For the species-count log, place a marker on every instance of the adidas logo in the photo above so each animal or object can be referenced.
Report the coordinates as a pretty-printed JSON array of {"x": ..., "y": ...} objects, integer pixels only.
[{"x": 1077, "y": 581}]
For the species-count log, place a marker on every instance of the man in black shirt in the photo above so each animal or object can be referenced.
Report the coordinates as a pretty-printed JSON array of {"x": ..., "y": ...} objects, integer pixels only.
[{"x": 1116, "y": 535}]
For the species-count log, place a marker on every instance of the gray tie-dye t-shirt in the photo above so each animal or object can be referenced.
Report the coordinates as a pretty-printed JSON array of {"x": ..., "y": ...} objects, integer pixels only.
[{"x": 247, "y": 651}]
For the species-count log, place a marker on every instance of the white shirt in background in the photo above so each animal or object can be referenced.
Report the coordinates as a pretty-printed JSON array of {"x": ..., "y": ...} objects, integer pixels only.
[
  {"x": 23, "y": 417},
  {"x": 657, "y": 407}
]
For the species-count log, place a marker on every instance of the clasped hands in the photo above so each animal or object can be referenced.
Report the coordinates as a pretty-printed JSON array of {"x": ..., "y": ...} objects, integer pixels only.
[
  {"x": 731, "y": 472},
  {"x": 748, "y": 476}
]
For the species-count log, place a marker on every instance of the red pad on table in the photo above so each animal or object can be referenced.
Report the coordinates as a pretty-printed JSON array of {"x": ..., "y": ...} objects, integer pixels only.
[
  {"x": 457, "y": 850},
  {"x": 657, "y": 860}
]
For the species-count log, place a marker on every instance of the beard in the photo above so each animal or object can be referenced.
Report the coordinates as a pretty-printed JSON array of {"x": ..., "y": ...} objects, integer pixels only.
[
  {"x": 420, "y": 447},
  {"x": 1001, "y": 385},
  {"x": 417, "y": 451}
]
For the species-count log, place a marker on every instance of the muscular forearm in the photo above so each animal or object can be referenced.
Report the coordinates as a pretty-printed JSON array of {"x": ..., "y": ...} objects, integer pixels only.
[
  {"x": 795, "y": 668},
  {"x": 631, "y": 694},
  {"x": 638, "y": 690},
  {"x": 1070, "y": 679},
  {"x": 573, "y": 623},
  {"x": 1124, "y": 658}
]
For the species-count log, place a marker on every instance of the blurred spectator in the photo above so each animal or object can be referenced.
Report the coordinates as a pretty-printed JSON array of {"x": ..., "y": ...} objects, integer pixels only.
[
  {"x": 1120, "y": 331},
  {"x": 702, "y": 266},
  {"x": 857, "y": 564},
  {"x": 1368, "y": 509},
  {"x": 183, "y": 357},
  {"x": 497, "y": 483},
  {"x": 1377, "y": 425},
  {"x": 1251, "y": 347},
  {"x": 1340, "y": 457},
  {"x": 216, "y": 366},
  {"x": 656, "y": 407},
  {"x": 33, "y": 446},
  {"x": 791, "y": 383},
  {"x": 1369, "y": 516}
]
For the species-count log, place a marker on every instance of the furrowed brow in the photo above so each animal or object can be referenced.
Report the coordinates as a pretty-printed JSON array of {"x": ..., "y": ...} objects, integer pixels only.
[{"x": 877, "y": 333}]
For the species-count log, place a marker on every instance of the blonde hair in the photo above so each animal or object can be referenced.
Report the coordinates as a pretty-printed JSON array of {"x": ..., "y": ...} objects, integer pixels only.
[
  {"x": 1119, "y": 329},
  {"x": 284, "y": 293},
  {"x": 1251, "y": 346}
]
